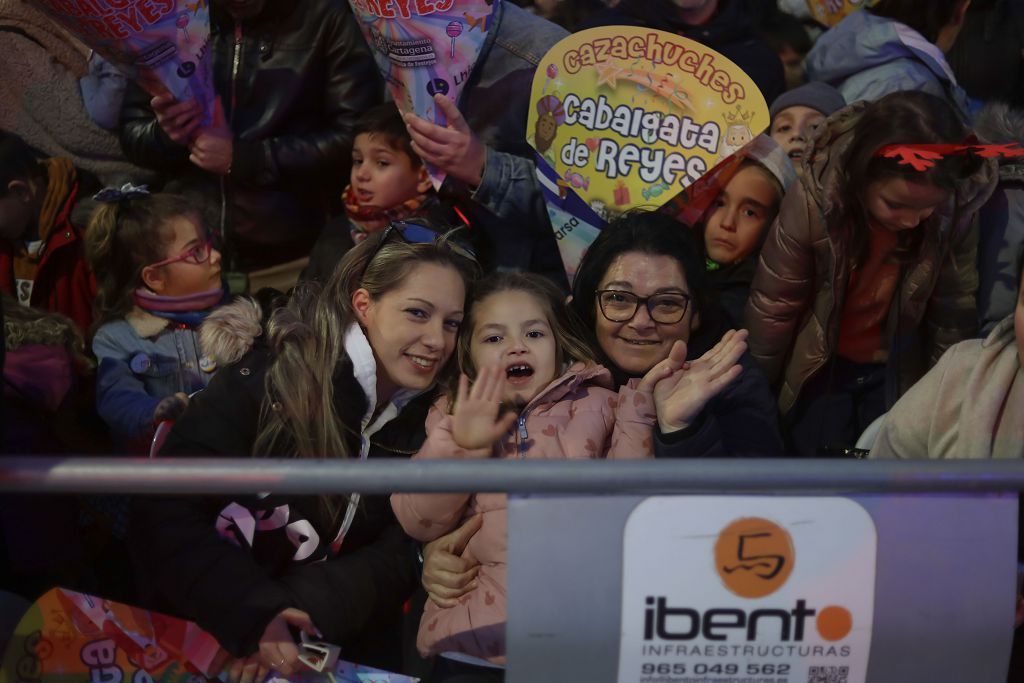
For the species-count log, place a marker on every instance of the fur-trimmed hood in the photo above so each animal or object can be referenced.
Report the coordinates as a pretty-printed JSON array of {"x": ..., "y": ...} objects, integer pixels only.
[
  {"x": 999, "y": 124},
  {"x": 231, "y": 330}
]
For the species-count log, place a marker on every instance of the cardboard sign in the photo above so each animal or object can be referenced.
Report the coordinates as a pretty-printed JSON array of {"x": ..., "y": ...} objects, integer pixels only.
[
  {"x": 69, "y": 637},
  {"x": 831, "y": 12},
  {"x": 626, "y": 118},
  {"x": 423, "y": 48},
  {"x": 162, "y": 44},
  {"x": 737, "y": 589}
]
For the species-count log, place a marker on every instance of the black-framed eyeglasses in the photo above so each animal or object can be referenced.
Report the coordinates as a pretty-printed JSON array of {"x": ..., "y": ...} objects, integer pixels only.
[
  {"x": 415, "y": 233},
  {"x": 619, "y": 306}
]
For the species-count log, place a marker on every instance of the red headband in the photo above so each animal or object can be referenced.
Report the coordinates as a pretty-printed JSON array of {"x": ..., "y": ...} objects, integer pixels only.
[{"x": 923, "y": 157}]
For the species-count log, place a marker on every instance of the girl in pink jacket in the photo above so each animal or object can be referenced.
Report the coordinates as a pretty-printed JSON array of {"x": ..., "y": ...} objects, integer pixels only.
[{"x": 536, "y": 393}]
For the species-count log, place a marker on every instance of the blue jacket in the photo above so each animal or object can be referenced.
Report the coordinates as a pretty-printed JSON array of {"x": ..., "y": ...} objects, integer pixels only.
[
  {"x": 865, "y": 57},
  {"x": 143, "y": 359},
  {"x": 507, "y": 206}
]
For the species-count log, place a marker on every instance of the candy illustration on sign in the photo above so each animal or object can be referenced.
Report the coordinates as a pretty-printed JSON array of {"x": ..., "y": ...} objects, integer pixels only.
[
  {"x": 654, "y": 190},
  {"x": 576, "y": 180},
  {"x": 454, "y": 30},
  {"x": 182, "y": 24},
  {"x": 552, "y": 72}
]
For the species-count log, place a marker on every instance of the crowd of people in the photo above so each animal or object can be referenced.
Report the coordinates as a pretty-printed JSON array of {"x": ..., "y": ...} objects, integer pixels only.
[{"x": 286, "y": 282}]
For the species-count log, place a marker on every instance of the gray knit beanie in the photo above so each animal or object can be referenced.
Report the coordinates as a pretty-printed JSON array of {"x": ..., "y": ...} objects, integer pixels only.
[{"x": 816, "y": 95}]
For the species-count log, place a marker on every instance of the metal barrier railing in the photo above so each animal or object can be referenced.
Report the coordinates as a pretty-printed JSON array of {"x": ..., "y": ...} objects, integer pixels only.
[{"x": 253, "y": 475}]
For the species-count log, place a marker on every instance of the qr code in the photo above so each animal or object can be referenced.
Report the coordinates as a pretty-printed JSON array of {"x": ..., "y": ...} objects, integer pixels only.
[{"x": 828, "y": 674}]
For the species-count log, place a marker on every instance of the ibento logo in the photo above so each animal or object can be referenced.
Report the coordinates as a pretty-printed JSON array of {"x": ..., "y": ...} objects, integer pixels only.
[{"x": 754, "y": 557}]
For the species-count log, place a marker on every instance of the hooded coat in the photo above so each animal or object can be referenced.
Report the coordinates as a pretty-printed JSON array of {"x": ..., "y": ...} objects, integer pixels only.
[
  {"x": 865, "y": 56},
  {"x": 795, "y": 304}
]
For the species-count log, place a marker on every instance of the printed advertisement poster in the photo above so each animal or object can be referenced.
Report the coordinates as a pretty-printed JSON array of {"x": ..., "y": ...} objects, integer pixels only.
[
  {"x": 831, "y": 12},
  {"x": 70, "y": 637},
  {"x": 747, "y": 589},
  {"x": 625, "y": 117},
  {"x": 424, "y": 48},
  {"x": 162, "y": 44}
]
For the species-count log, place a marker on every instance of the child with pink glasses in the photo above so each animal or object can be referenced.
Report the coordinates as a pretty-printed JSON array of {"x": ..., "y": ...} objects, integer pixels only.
[{"x": 157, "y": 277}]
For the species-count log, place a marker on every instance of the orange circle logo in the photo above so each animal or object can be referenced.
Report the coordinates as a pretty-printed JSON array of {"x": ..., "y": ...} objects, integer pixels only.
[
  {"x": 834, "y": 622},
  {"x": 754, "y": 557}
]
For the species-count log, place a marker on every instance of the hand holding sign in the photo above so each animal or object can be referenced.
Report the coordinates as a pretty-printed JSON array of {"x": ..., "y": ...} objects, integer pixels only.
[
  {"x": 213, "y": 148},
  {"x": 180, "y": 120},
  {"x": 453, "y": 149},
  {"x": 425, "y": 52}
]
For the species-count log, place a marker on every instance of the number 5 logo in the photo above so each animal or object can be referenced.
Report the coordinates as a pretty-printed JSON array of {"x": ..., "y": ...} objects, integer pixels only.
[{"x": 754, "y": 557}]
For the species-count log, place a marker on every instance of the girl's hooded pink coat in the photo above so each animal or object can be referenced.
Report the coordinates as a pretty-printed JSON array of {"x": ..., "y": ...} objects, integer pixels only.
[{"x": 576, "y": 416}]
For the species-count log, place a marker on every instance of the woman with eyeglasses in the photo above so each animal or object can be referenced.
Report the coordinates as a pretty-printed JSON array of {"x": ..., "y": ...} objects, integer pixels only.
[
  {"x": 157, "y": 278},
  {"x": 348, "y": 372},
  {"x": 643, "y": 292}
]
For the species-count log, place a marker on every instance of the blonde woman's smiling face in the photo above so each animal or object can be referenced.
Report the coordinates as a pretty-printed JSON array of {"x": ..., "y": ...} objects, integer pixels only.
[{"x": 412, "y": 328}]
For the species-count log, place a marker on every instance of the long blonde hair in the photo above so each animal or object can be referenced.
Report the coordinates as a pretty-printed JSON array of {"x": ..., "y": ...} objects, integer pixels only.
[{"x": 298, "y": 417}]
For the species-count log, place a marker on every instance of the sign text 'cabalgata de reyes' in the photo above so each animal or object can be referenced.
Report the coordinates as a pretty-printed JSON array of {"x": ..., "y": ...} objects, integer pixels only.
[
  {"x": 745, "y": 590},
  {"x": 629, "y": 117}
]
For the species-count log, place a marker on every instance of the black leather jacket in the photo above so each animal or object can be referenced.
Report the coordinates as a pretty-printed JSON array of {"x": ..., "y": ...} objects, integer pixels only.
[{"x": 292, "y": 82}]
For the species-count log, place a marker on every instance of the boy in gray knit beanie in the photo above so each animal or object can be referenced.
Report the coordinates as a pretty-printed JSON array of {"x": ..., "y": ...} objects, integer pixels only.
[{"x": 797, "y": 113}]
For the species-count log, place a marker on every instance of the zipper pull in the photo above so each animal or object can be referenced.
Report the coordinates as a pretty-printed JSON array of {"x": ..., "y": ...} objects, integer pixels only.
[{"x": 522, "y": 428}]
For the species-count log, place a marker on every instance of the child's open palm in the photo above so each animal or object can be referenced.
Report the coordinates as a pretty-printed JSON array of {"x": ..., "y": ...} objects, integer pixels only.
[{"x": 477, "y": 421}]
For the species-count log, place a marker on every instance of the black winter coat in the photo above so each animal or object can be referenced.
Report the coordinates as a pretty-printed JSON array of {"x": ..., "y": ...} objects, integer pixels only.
[
  {"x": 741, "y": 421},
  {"x": 232, "y": 563},
  {"x": 302, "y": 76}
]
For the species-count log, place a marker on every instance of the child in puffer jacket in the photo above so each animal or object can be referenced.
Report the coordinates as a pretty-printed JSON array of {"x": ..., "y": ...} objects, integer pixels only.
[{"x": 536, "y": 393}]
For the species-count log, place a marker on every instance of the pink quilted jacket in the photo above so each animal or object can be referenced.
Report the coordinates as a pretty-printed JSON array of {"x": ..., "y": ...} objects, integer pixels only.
[{"x": 576, "y": 416}]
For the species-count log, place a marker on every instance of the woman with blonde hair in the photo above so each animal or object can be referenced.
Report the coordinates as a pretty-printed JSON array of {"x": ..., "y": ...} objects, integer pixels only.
[{"x": 348, "y": 372}]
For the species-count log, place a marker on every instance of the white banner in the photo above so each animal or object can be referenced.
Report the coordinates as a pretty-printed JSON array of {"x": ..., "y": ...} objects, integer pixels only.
[{"x": 747, "y": 590}]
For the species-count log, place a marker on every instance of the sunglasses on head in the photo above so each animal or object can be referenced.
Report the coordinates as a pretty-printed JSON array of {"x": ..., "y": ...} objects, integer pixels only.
[{"x": 416, "y": 233}]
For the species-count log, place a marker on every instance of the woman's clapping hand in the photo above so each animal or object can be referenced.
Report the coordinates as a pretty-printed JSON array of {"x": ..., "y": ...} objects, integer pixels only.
[{"x": 682, "y": 388}]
